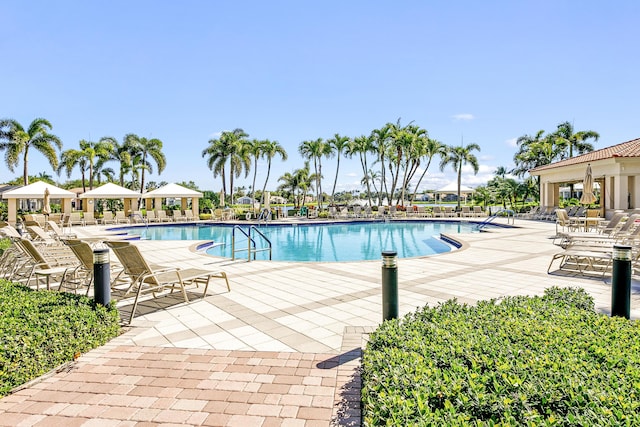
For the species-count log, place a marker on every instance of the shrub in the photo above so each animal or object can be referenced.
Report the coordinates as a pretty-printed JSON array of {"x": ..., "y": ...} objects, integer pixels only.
[
  {"x": 549, "y": 360},
  {"x": 40, "y": 330}
]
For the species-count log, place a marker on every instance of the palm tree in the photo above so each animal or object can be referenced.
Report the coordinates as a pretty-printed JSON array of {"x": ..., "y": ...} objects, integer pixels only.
[
  {"x": 270, "y": 149},
  {"x": 431, "y": 148},
  {"x": 147, "y": 149},
  {"x": 253, "y": 148},
  {"x": 227, "y": 149},
  {"x": 458, "y": 157},
  {"x": 362, "y": 145},
  {"x": 86, "y": 158},
  {"x": 337, "y": 143},
  {"x": 122, "y": 154},
  {"x": 71, "y": 158},
  {"x": 380, "y": 140},
  {"x": 16, "y": 141},
  {"x": 315, "y": 150},
  {"x": 501, "y": 171},
  {"x": 533, "y": 151},
  {"x": 565, "y": 137}
]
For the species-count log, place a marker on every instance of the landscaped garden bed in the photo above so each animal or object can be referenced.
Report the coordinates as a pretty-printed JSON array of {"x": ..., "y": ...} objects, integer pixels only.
[
  {"x": 549, "y": 360},
  {"x": 41, "y": 330}
]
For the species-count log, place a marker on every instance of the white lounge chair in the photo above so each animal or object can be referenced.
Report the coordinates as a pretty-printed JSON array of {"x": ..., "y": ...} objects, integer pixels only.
[{"x": 146, "y": 278}]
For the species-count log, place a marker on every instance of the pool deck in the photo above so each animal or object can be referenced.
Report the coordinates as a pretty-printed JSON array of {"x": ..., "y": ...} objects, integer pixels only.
[{"x": 283, "y": 347}]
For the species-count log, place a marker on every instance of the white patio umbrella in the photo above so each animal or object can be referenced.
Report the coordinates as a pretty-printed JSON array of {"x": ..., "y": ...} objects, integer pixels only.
[{"x": 587, "y": 188}]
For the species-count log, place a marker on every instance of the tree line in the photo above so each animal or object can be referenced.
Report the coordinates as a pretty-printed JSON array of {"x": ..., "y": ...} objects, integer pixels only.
[{"x": 391, "y": 158}]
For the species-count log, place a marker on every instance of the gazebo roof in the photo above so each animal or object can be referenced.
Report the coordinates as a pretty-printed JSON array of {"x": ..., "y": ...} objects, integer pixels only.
[
  {"x": 110, "y": 191},
  {"x": 36, "y": 190},
  {"x": 172, "y": 190},
  {"x": 453, "y": 188}
]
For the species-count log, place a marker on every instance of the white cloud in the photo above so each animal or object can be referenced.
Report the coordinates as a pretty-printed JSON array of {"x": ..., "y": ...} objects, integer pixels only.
[
  {"x": 513, "y": 142},
  {"x": 463, "y": 116}
]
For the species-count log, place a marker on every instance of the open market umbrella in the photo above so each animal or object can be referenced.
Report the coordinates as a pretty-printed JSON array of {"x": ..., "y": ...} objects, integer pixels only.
[
  {"x": 587, "y": 188},
  {"x": 46, "y": 204}
]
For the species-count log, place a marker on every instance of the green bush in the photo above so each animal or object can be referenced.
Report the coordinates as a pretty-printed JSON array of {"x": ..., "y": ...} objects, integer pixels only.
[
  {"x": 40, "y": 330},
  {"x": 549, "y": 360}
]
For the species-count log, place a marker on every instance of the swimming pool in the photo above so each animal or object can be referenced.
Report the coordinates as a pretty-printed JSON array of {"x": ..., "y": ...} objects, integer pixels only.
[{"x": 354, "y": 241}]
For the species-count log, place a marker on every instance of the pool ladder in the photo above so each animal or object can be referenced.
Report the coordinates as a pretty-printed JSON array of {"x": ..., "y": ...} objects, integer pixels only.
[{"x": 251, "y": 243}]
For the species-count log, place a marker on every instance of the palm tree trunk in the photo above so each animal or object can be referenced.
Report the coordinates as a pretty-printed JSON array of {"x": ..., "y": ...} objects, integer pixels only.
[{"x": 335, "y": 181}]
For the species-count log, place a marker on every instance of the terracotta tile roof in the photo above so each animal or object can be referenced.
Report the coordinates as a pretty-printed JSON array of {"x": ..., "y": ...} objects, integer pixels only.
[{"x": 624, "y": 149}]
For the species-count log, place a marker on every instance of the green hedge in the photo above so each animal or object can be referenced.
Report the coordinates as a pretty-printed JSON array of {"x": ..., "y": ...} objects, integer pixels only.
[
  {"x": 40, "y": 330},
  {"x": 549, "y": 360}
]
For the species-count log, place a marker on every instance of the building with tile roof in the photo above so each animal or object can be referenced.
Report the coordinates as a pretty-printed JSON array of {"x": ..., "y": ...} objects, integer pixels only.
[{"x": 616, "y": 169}]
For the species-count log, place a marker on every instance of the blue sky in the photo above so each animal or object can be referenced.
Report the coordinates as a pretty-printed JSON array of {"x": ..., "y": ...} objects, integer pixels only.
[{"x": 483, "y": 72}]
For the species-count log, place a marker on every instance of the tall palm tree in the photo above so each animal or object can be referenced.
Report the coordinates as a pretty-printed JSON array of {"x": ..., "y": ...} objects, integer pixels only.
[
  {"x": 529, "y": 153},
  {"x": 253, "y": 148},
  {"x": 16, "y": 141},
  {"x": 227, "y": 149},
  {"x": 122, "y": 154},
  {"x": 86, "y": 158},
  {"x": 431, "y": 148},
  {"x": 458, "y": 157},
  {"x": 362, "y": 145},
  {"x": 501, "y": 171},
  {"x": 338, "y": 144},
  {"x": 565, "y": 137},
  {"x": 315, "y": 150},
  {"x": 270, "y": 149},
  {"x": 148, "y": 149},
  {"x": 71, "y": 158},
  {"x": 381, "y": 139}
]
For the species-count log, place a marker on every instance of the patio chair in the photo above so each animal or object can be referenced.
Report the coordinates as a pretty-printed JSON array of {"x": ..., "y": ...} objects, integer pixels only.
[
  {"x": 38, "y": 235},
  {"x": 178, "y": 216},
  {"x": 89, "y": 218},
  {"x": 47, "y": 264},
  {"x": 82, "y": 275},
  {"x": 438, "y": 212},
  {"x": 465, "y": 212},
  {"x": 107, "y": 218},
  {"x": 153, "y": 279},
  {"x": 478, "y": 212},
  {"x": 136, "y": 217},
  {"x": 75, "y": 218},
  {"x": 188, "y": 215},
  {"x": 57, "y": 232},
  {"x": 162, "y": 216},
  {"x": 121, "y": 218},
  {"x": 151, "y": 217},
  {"x": 563, "y": 221}
]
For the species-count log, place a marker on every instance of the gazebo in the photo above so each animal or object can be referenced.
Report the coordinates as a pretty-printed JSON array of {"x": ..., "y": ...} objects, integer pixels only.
[
  {"x": 111, "y": 191},
  {"x": 452, "y": 188},
  {"x": 176, "y": 191},
  {"x": 615, "y": 169},
  {"x": 36, "y": 191}
]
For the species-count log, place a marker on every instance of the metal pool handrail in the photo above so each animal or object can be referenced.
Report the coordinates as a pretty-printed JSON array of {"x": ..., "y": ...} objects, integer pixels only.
[{"x": 251, "y": 243}]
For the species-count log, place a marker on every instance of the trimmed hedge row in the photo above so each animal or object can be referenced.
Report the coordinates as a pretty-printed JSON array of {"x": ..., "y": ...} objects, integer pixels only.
[
  {"x": 40, "y": 330},
  {"x": 549, "y": 360}
]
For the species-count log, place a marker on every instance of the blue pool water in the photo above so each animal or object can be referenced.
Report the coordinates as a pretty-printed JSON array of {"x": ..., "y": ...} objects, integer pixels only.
[{"x": 356, "y": 241}]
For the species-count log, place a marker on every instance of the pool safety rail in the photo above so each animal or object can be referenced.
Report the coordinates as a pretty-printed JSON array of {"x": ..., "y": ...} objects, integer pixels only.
[
  {"x": 251, "y": 248},
  {"x": 501, "y": 213}
]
